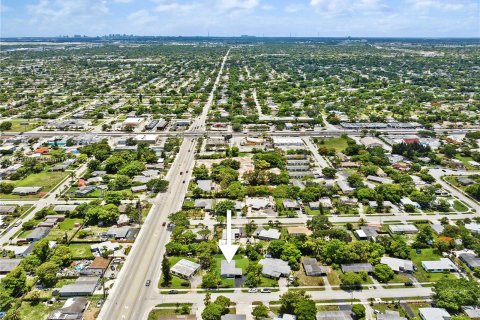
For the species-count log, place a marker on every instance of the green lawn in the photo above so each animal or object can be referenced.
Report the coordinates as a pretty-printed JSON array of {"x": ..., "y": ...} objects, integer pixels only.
[
  {"x": 459, "y": 206},
  {"x": 399, "y": 278},
  {"x": 23, "y": 125},
  {"x": 81, "y": 251},
  {"x": 37, "y": 311},
  {"x": 417, "y": 305},
  {"x": 333, "y": 278},
  {"x": 339, "y": 144},
  {"x": 45, "y": 179},
  {"x": 69, "y": 223},
  {"x": 157, "y": 314}
]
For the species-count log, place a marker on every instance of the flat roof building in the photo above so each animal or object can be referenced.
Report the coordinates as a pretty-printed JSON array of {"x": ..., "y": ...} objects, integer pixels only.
[
  {"x": 229, "y": 270},
  {"x": 357, "y": 267},
  {"x": 312, "y": 268},
  {"x": 275, "y": 268},
  {"x": 7, "y": 265},
  {"x": 434, "y": 314},
  {"x": 442, "y": 265},
  {"x": 398, "y": 265},
  {"x": 185, "y": 268}
]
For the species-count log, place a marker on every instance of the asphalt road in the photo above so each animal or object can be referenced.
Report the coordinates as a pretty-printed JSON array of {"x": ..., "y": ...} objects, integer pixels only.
[{"x": 130, "y": 294}]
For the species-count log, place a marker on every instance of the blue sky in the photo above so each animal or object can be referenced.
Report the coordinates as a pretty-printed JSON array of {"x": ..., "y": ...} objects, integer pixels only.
[{"x": 368, "y": 18}]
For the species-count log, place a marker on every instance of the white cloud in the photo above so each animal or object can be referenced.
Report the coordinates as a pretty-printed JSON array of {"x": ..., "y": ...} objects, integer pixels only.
[
  {"x": 293, "y": 7},
  {"x": 142, "y": 18},
  {"x": 173, "y": 6},
  {"x": 228, "y": 5},
  {"x": 3, "y": 8},
  {"x": 442, "y": 5},
  {"x": 343, "y": 7},
  {"x": 48, "y": 10}
]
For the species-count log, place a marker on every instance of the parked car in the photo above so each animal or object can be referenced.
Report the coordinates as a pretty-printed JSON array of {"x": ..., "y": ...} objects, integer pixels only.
[
  {"x": 252, "y": 290},
  {"x": 265, "y": 290},
  {"x": 173, "y": 291}
]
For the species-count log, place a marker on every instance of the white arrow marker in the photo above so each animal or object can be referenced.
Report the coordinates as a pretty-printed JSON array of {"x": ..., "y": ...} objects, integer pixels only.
[{"x": 229, "y": 249}]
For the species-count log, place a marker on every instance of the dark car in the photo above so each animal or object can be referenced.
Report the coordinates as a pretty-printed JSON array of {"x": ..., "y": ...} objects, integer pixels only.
[
  {"x": 173, "y": 292},
  {"x": 163, "y": 224}
]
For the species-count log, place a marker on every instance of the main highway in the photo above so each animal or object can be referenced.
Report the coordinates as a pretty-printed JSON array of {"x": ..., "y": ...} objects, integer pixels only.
[{"x": 128, "y": 299}]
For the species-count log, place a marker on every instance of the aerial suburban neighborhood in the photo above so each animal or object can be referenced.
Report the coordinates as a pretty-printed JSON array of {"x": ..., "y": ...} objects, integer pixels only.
[{"x": 240, "y": 178}]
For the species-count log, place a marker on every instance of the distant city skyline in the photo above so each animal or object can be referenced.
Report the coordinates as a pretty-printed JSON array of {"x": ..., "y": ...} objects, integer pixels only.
[{"x": 306, "y": 18}]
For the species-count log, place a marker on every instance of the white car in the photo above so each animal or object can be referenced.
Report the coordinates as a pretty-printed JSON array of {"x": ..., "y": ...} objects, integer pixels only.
[{"x": 252, "y": 290}]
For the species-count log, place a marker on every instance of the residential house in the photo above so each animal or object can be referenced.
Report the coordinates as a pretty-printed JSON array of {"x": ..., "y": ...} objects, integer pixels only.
[
  {"x": 275, "y": 268},
  {"x": 205, "y": 204},
  {"x": 434, "y": 314},
  {"x": 312, "y": 268},
  {"x": 442, "y": 265},
  {"x": 229, "y": 270},
  {"x": 38, "y": 234},
  {"x": 357, "y": 267},
  {"x": 7, "y": 265},
  {"x": 299, "y": 231},
  {"x": 402, "y": 229},
  {"x": 267, "y": 234},
  {"x": 72, "y": 309},
  {"x": 398, "y": 265},
  {"x": 83, "y": 286},
  {"x": 185, "y": 269}
]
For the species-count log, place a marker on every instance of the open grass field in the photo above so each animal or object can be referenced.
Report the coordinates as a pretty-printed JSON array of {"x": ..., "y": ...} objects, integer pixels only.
[
  {"x": 23, "y": 125},
  {"x": 37, "y": 311},
  {"x": 81, "y": 251},
  {"x": 45, "y": 179},
  {"x": 68, "y": 223},
  {"x": 339, "y": 144}
]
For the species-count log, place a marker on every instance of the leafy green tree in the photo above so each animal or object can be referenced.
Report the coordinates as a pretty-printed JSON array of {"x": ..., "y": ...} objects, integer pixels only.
[
  {"x": 275, "y": 248},
  {"x": 305, "y": 309},
  {"x": 298, "y": 303},
  {"x": 223, "y": 206},
  {"x": 260, "y": 311},
  {"x": 15, "y": 282},
  {"x": 157, "y": 185},
  {"x": 358, "y": 310},
  {"x": 166, "y": 276},
  {"x": 114, "y": 163},
  {"x": 319, "y": 223},
  {"x": 5, "y": 125},
  {"x": 62, "y": 256},
  {"x": 211, "y": 281},
  {"x": 452, "y": 294},
  {"x": 424, "y": 238},
  {"x": 383, "y": 272},
  {"x": 215, "y": 310},
  {"x": 351, "y": 279},
  {"x": 329, "y": 172},
  {"x": 133, "y": 168},
  {"x": 47, "y": 273},
  {"x": 42, "y": 250}
]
